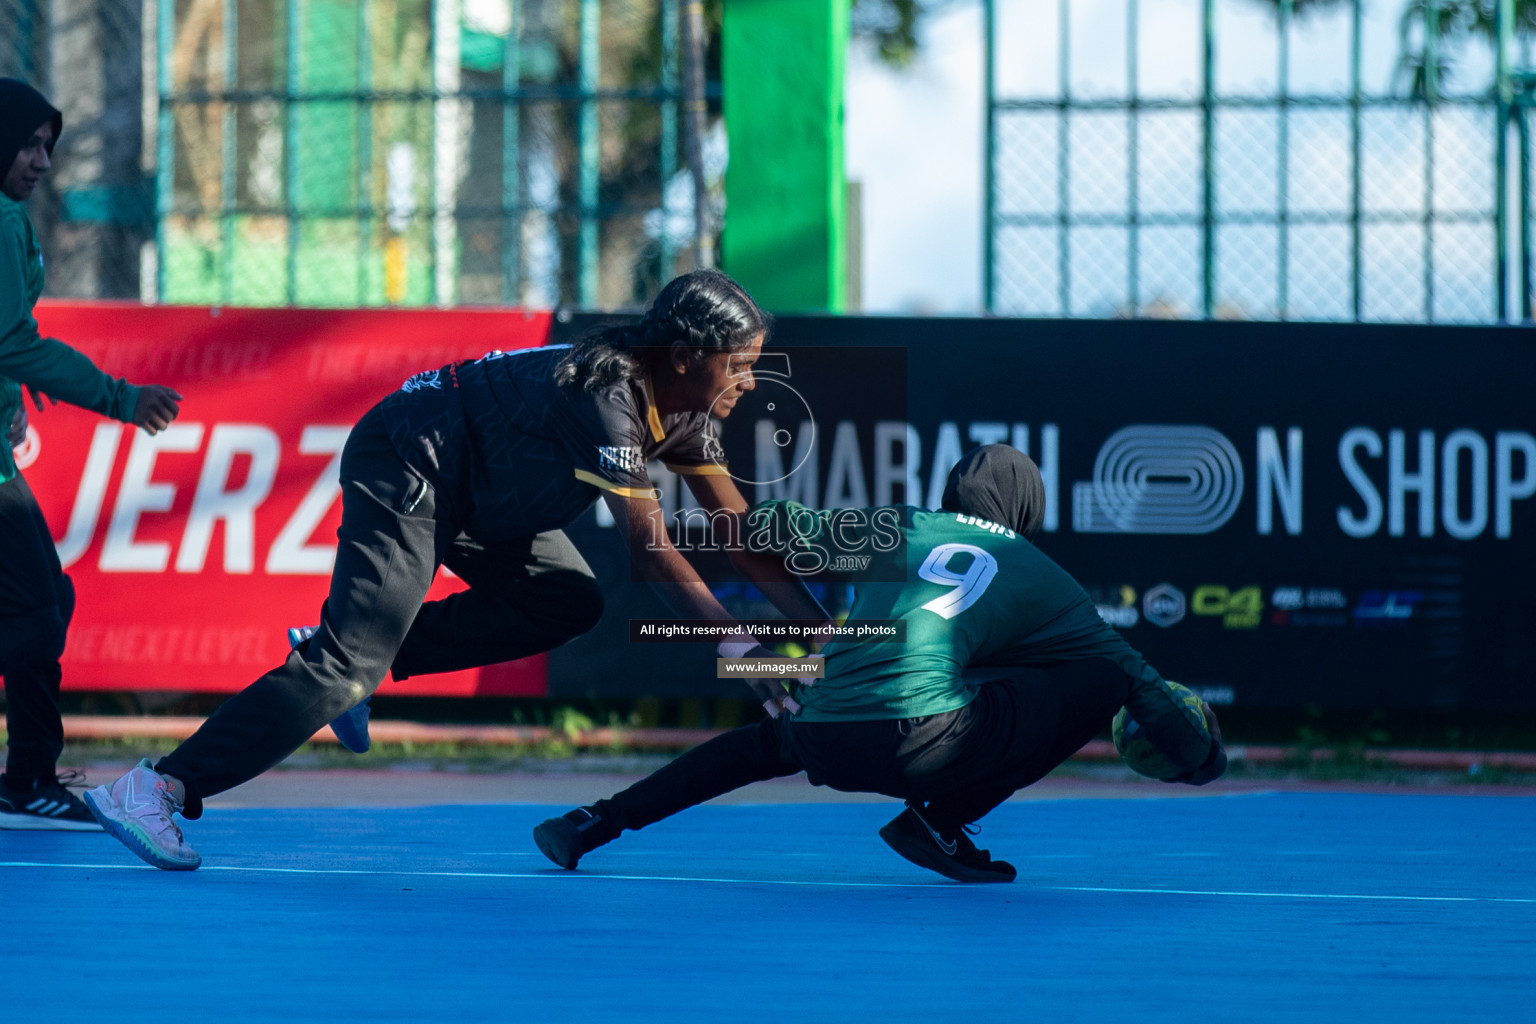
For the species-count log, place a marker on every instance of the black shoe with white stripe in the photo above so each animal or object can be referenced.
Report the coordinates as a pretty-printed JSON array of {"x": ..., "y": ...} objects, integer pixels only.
[
  {"x": 564, "y": 839},
  {"x": 949, "y": 852},
  {"x": 45, "y": 805}
]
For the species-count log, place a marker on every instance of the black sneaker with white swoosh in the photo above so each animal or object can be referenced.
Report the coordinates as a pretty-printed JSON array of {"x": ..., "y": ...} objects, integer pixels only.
[
  {"x": 953, "y": 856},
  {"x": 564, "y": 839},
  {"x": 48, "y": 805}
]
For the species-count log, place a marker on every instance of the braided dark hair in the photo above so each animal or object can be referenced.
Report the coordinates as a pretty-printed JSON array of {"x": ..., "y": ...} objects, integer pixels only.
[{"x": 703, "y": 309}]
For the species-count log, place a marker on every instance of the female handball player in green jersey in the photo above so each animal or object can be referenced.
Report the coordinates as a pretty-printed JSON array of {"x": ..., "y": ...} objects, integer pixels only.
[{"x": 906, "y": 719}]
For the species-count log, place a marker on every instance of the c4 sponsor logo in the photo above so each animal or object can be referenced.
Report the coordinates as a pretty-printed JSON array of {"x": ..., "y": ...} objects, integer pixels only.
[{"x": 1238, "y": 609}]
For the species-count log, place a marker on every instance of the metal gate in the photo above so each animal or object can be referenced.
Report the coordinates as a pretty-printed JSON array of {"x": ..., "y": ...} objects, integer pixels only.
[
  {"x": 1267, "y": 159},
  {"x": 318, "y": 152}
]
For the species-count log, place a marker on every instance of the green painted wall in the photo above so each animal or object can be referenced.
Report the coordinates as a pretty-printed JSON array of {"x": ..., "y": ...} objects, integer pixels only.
[{"x": 785, "y": 221}]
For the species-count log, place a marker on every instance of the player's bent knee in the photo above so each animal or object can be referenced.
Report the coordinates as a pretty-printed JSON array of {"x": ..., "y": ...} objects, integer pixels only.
[{"x": 338, "y": 694}]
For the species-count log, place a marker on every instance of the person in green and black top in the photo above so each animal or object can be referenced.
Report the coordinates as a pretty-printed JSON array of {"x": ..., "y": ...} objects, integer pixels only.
[
  {"x": 36, "y": 598},
  {"x": 906, "y": 720}
]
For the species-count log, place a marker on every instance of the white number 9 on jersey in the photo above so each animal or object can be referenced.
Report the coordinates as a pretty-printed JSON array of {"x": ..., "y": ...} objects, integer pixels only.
[{"x": 969, "y": 586}]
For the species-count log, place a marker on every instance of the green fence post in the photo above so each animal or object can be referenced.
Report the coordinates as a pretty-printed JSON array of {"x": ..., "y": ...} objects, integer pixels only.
[
  {"x": 1356, "y": 181},
  {"x": 1283, "y": 171},
  {"x": 1523, "y": 116},
  {"x": 1208, "y": 165},
  {"x": 591, "y": 55},
  {"x": 668, "y": 154},
  {"x": 1503, "y": 31},
  {"x": 1431, "y": 94},
  {"x": 511, "y": 156},
  {"x": 227, "y": 155},
  {"x": 989, "y": 170},
  {"x": 165, "y": 139},
  {"x": 26, "y": 43},
  {"x": 1132, "y": 143},
  {"x": 1064, "y": 162},
  {"x": 783, "y": 69},
  {"x": 291, "y": 143},
  {"x": 365, "y": 254}
]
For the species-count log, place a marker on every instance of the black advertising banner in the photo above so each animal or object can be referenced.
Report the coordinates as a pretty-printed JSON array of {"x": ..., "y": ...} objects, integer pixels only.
[{"x": 1280, "y": 515}]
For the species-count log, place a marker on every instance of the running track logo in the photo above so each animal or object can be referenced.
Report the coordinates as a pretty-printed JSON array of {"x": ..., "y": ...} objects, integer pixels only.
[{"x": 1160, "y": 479}]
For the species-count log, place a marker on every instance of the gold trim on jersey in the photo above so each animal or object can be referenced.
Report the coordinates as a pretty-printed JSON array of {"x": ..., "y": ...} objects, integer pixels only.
[
  {"x": 698, "y": 470},
  {"x": 652, "y": 416},
  {"x": 587, "y": 477}
]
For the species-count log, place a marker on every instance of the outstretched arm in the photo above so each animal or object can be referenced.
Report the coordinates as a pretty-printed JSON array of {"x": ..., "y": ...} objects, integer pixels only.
[
  {"x": 767, "y": 572},
  {"x": 51, "y": 367},
  {"x": 660, "y": 564}
]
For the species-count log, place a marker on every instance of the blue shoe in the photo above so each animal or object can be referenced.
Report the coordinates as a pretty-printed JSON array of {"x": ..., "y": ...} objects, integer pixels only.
[{"x": 351, "y": 726}]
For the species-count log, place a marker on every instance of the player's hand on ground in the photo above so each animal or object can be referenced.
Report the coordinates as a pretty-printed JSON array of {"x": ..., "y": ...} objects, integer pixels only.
[
  {"x": 156, "y": 408},
  {"x": 17, "y": 431}
]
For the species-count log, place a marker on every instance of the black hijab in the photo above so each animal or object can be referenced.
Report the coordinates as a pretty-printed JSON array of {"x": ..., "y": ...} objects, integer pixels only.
[
  {"x": 22, "y": 111},
  {"x": 1000, "y": 484}
]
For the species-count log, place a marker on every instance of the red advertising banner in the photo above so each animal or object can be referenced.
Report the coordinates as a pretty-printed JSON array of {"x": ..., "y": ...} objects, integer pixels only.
[{"x": 192, "y": 551}]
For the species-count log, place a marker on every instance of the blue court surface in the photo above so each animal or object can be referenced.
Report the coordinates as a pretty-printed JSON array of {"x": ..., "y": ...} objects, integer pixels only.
[{"x": 1277, "y": 906}]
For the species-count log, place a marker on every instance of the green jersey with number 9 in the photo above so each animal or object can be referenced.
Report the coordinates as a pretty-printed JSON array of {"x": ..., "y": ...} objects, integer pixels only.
[{"x": 972, "y": 593}]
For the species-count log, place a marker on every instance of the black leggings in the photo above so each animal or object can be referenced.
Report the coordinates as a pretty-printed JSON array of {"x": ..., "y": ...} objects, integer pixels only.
[
  {"x": 36, "y": 603},
  {"x": 524, "y": 596},
  {"x": 960, "y": 763}
]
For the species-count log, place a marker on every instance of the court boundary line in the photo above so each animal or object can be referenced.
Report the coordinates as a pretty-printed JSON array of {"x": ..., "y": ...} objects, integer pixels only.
[{"x": 554, "y": 874}]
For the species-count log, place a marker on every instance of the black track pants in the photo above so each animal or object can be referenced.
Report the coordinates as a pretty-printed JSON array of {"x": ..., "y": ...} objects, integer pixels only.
[
  {"x": 961, "y": 763},
  {"x": 752, "y": 753},
  {"x": 524, "y": 597},
  {"x": 36, "y": 603}
]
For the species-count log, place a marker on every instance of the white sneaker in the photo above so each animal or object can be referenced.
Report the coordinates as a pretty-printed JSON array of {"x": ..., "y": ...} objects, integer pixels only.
[{"x": 137, "y": 809}]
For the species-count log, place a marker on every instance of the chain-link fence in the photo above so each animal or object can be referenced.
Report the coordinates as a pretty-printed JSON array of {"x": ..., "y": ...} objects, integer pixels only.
[
  {"x": 1269, "y": 159},
  {"x": 93, "y": 210},
  {"x": 372, "y": 152}
]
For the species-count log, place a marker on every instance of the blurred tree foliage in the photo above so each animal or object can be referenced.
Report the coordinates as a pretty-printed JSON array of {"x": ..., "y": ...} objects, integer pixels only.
[
  {"x": 1457, "y": 22},
  {"x": 892, "y": 26}
]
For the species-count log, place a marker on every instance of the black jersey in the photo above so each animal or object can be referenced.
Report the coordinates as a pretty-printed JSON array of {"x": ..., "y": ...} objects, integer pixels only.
[{"x": 514, "y": 454}]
